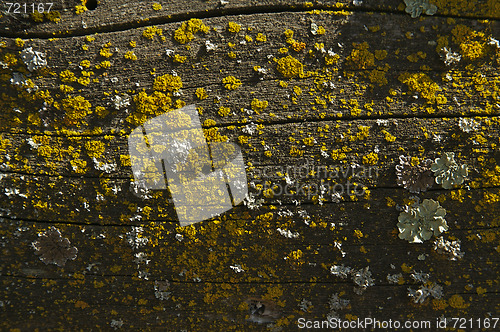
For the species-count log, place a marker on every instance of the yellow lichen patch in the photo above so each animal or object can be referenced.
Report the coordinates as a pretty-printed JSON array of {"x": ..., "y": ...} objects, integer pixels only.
[
  {"x": 85, "y": 63},
  {"x": 76, "y": 109},
  {"x": 213, "y": 135},
  {"x": 167, "y": 83},
  {"x": 259, "y": 105},
  {"x": 105, "y": 52},
  {"x": 261, "y": 37},
  {"x": 378, "y": 76},
  {"x": 231, "y": 82},
  {"x": 298, "y": 46},
  {"x": 19, "y": 42},
  {"x": 370, "y": 159},
  {"x": 388, "y": 137},
  {"x": 458, "y": 302},
  {"x": 66, "y": 88},
  {"x": 104, "y": 64},
  {"x": 201, "y": 93},
  {"x": 149, "y": 106},
  {"x": 472, "y": 44},
  {"x": 179, "y": 58},
  {"x": 233, "y": 27},
  {"x": 95, "y": 149},
  {"x": 331, "y": 59},
  {"x": 37, "y": 17},
  {"x": 151, "y": 32},
  {"x": 290, "y": 67},
  {"x": 67, "y": 76},
  {"x": 187, "y": 30},
  {"x": 130, "y": 56},
  {"x": 360, "y": 57},
  {"x": 423, "y": 84},
  {"x": 224, "y": 111},
  {"x": 53, "y": 16},
  {"x": 79, "y": 9},
  {"x": 156, "y": 6},
  {"x": 380, "y": 54}
]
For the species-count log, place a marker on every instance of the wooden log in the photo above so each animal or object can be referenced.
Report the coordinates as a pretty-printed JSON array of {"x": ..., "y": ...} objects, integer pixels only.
[{"x": 314, "y": 94}]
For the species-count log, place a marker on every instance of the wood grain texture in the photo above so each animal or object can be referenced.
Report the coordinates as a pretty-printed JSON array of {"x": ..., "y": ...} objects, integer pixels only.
[
  {"x": 387, "y": 92},
  {"x": 71, "y": 17}
]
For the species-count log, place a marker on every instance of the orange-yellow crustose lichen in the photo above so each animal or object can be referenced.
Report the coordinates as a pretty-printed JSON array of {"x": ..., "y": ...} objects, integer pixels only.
[
  {"x": 290, "y": 67},
  {"x": 156, "y": 6},
  {"x": 85, "y": 63},
  {"x": 105, "y": 52},
  {"x": 79, "y": 9},
  {"x": 201, "y": 93},
  {"x": 149, "y": 105},
  {"x": 457, "y": 302},
  {"x": 224, "y": 111},
  {"x": 179, "y": 58},
  {"x": 19, "y": 42},
  {"x": 259, "y": 105},
  {"x": 261, "y": 37},
  {"x": 360, "y": 57},
  {"x": 231, "y": 82},
  {"x": 187, "y": 30},
  {"x": 152, "y": 31},
  {"x": 473, "y": 44},
  {"x": 233, "y": 27},
  {"x": 95, "y": 149},
  {"x": 67, "y": 76},
  {"x": 76, "y": 109},
  {"x": 167, "y": 83},
  {"x": 370, "y": 159},
  {"x": 10, "y": 59},
  {"x": 423, "y": 84},
  {"x": 130, "y": 55}
]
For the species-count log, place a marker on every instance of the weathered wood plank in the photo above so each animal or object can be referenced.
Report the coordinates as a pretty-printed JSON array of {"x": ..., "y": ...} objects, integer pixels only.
[
  {"x": 389, "y": 93},
  {"x": 70, "y": 17}
]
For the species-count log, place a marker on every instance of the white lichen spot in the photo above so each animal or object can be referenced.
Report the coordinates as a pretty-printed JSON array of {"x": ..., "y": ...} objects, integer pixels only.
[
  {"x": 450, "y": 248},
  {"x": 341, "y": 271},
  {"x": 237, "y": 268},
  {"x": 161, "y": 288},
  {"x": 468, "y": 125},
  {"x": 394, "y": 278},
  {"x": 450, "y": 57},
  {"x": 419, "y": 296},
  {"x": 33, "y": 59},
  {"x": 304, "y": 305},
  {"x": 288, "y": 234},
  {"x": 116, "y": 324},
  {"x": 121, "y": 102},
  {"x": 420, "y": 276}
]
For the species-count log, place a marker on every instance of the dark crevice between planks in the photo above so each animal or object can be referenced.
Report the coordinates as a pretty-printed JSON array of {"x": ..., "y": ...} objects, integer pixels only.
[{"x": 214, "y": 13}]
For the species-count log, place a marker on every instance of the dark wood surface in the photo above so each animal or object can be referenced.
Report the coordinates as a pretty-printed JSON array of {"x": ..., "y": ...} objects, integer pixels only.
[{"x": 391, "y": 94}]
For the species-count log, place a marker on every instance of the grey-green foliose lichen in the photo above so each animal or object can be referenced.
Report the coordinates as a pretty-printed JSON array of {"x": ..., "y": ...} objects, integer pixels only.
[
  {"x": 447, "y": 172},
  {"x": 416, "y": 7},
  {"x": 420, "y": 221}
]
